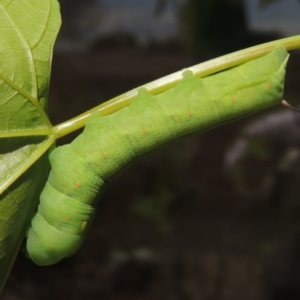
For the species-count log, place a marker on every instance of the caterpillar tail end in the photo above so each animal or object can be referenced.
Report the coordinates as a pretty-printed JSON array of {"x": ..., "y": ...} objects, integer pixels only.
[{"x": 286, "y": 104}]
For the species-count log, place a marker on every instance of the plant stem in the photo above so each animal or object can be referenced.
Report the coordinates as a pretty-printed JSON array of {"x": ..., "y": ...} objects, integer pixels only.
[{"x": 167, "y": 82}]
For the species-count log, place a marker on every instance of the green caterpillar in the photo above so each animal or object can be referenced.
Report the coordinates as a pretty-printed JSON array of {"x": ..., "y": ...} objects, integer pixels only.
[{"x": 81, "y": 170}]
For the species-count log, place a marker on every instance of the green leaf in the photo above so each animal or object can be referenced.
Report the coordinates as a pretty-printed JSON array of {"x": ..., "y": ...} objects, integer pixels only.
[{"x": 28, "y": 29}]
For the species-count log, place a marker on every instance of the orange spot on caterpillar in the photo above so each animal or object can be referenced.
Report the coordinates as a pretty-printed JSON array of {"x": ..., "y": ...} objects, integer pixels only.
[
  {"x": 67, "y": 218},
  {"x": 84, "y": 226},
  {"x": 268, "y": 85},
  {"x": 50, "y": 248},
  {"x": 103, "y": 155},
  {"x": 77, "y": 184},
  {"x": 232, "y": 99},
  {"x": 189, "y": 112},
  {"x": 144, "y": 130}
]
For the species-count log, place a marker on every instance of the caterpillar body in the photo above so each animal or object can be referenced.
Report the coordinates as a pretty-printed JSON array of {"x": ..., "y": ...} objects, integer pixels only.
[{"x": 81, "y": 170}]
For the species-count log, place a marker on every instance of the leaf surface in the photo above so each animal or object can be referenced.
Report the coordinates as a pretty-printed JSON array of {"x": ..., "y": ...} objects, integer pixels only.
[{"x": 28, "y": 29}]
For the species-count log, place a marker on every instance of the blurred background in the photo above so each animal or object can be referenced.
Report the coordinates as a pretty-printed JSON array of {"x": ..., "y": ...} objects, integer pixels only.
[{"x": 214, "y": 216}]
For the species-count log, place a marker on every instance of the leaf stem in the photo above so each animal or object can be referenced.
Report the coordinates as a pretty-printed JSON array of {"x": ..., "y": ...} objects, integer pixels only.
[
  {"x": 27, "y": 132},
  {"x": 167, "y": 82}
]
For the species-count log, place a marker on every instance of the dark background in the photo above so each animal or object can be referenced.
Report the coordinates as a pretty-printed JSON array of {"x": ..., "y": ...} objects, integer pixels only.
[{"x": 203, "y": 218}]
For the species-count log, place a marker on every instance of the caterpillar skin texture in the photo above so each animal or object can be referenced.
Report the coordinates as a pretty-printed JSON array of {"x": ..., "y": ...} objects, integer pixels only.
[{"x": 81, "y": 170}]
